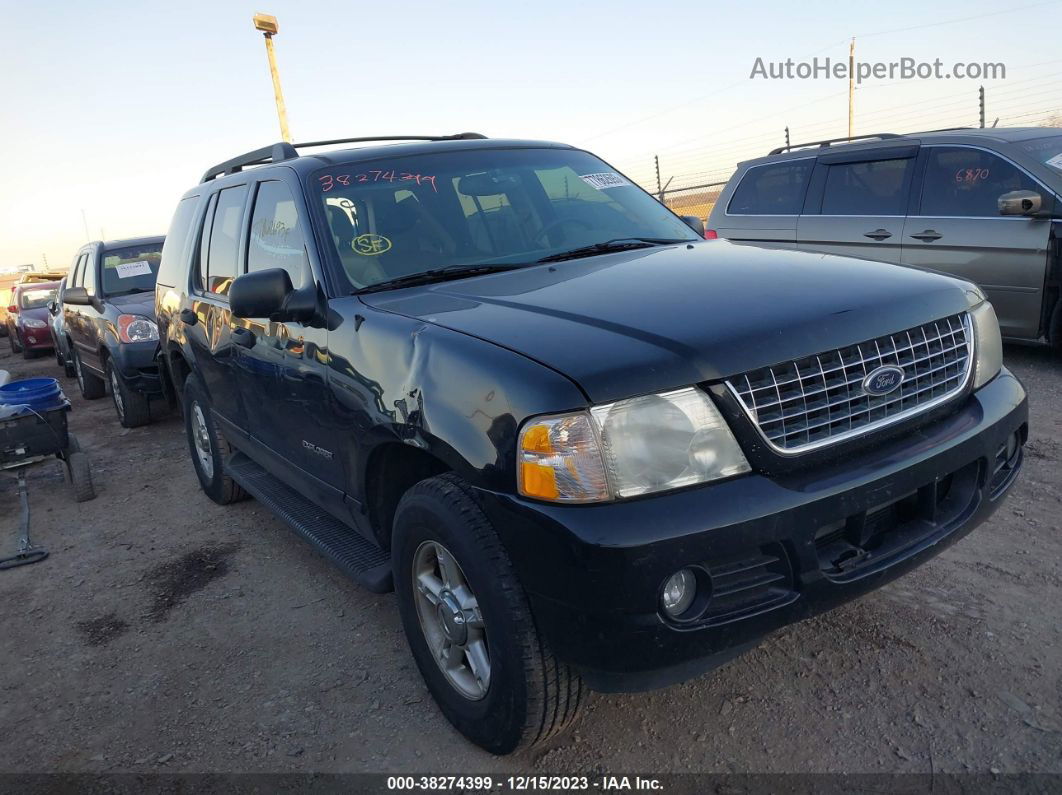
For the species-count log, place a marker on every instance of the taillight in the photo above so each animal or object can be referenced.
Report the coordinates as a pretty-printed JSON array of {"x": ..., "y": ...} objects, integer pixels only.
[
  {"x": 711, "y": 234},
  {"x": 13, "y": 309}
]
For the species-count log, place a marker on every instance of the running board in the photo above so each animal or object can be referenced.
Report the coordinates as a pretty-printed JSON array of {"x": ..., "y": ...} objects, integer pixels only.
[{"x": 361, "y": 560}]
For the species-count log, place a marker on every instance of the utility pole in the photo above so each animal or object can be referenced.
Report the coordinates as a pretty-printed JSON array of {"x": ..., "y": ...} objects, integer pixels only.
[
  {"x": 981, "y": 104},
  {"x": 659, "y": 190},
  {"x": 787, "y": 136},
  {"x": 85, "y": 222},
  {"x": 851, "y": 86},
  {"x": 268, "y": 25}
]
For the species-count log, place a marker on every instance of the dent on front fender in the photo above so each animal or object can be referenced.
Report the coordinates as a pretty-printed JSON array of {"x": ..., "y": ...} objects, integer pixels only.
[{"x": 457, "y": 397}]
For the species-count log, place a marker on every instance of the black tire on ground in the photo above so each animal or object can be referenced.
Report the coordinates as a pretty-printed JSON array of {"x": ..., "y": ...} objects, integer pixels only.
[
  {"x": 90, "y": 384},
  {"x": 68, "y": 363},
  {"x": 531, "y": 696},
  {"x": 13, "y": 342},
  {"x": 28, "y": 353},
  {"x": 58, "y": 356},
  {"x": 133, "y": 408},
  {"x": 200, "y": 430},
  {"x": 73, "y": 444},
  {"x": 80, "y": 472}
]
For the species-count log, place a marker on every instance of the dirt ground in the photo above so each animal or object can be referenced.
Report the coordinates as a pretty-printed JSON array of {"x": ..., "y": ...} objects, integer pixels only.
[{"x": 166, "y": 633}]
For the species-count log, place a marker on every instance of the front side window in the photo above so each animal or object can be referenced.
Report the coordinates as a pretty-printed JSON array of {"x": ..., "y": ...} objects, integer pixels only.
[
  {"x": 963, "y": 182},
  {"x": 776, "y": 189},
  {"x": 877, "y": 187},
  {"x": 131, "y": 269},
  {"x": 408, "y": 214},
  {"x": 222, "y": 258},
  {"x": 276, "y": 233},
  {"x": 35, "y": 299}
]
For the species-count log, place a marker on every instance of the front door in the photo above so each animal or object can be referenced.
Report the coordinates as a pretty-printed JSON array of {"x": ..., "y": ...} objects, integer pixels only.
[
  {"x": 957, "y": 229},
  {"x": 283, "y": 366}
]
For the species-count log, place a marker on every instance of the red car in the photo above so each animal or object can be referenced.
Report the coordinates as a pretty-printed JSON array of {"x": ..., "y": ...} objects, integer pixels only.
[{"x": 28, "y": 318}]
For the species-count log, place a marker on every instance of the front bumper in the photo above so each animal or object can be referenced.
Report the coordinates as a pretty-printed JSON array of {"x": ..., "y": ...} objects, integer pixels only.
[
  {"x": 770, "y": 551},
  {"x": 138, "y": 366},
  {"x": 36, "y": 339}
]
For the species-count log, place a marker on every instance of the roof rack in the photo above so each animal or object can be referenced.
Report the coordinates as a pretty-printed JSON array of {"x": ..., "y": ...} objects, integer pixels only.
[
  {"x": 828, "y": 141},
  {"x": 278, "y": 153},
  {"x": 878, "y": 136}
]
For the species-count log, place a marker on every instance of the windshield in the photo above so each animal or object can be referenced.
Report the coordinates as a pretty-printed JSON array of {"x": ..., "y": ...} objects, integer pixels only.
[
  {"x": 132, "y": 269},
  {"x": 35, "y": 299},
  {"x": 1047, "y": 150},
  {"x": 405, "y": 215}
]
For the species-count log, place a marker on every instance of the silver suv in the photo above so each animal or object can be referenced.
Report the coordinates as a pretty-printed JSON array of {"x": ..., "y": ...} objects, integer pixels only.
[{"x": 981, "y": 204}]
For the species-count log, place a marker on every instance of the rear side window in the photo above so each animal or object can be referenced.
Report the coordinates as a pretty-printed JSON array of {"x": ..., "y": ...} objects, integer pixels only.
[
  {"x": 277, "y": 239},
  {"x": 962, "y": 182},
  {"x": 174, "y": 251},
  {"x": 877, "y": 187},
  {"x": 776, "y": 189},
  {"x": 222, "y": 256}
]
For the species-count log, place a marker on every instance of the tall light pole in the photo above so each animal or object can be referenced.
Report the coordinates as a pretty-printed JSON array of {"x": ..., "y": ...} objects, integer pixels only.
[{"x": 268, "y": 25}]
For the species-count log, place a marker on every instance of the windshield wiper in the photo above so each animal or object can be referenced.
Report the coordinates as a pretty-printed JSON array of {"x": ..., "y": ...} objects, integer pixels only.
[
  {"x": 616, "y": 244},
  {"x": 131, "y": 291},
  {"x": 438, "y": 275}
]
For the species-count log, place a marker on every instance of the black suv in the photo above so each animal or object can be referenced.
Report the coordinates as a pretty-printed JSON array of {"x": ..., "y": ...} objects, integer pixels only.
[
  {"x": 109, "y": 322},
  {"x": 585, "y": 447}
]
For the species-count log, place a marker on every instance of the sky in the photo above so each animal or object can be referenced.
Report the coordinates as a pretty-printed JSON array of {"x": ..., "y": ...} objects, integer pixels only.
[{"x": 113, "y": 109}]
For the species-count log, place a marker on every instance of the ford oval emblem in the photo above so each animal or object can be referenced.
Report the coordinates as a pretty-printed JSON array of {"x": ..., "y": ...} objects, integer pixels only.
[{"x": 883, "y": 380}]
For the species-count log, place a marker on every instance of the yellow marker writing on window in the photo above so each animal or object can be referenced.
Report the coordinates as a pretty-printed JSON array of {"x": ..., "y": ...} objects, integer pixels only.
[{"x": 369, "y": 245}]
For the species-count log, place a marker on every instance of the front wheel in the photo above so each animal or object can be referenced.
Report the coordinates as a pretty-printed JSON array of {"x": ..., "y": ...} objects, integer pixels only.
[
  {"x": 469, "y": 625},
  {"x": 133, "y": 408}
]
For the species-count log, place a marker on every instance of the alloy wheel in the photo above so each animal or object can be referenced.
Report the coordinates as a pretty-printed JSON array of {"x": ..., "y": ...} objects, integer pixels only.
[
  {"x": 116, "y": 393},
  {"x": 451, "y": 620},
  {"x": 201, "y": 440}
]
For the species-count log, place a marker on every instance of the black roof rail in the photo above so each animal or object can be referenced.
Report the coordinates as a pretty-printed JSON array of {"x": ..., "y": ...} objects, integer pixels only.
[
  {"x": 828, "y": 141},
  {"x": 278, "y": 153}
]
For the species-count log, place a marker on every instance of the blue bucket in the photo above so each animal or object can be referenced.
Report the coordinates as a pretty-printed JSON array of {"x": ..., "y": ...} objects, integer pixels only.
[{"x": 40, "y": 394}]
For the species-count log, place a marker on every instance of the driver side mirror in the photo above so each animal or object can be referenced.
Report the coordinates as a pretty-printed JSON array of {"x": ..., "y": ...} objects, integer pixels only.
[
  {"x": 1020, "y": 202},
  {"x": 694, "y": 223},
  {"x": 269, "y": 294},
  {"x": 53, "y": 308}
]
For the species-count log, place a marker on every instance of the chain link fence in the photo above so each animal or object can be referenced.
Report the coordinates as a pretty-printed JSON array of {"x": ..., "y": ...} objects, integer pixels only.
[{"x": 692, "y": 200}]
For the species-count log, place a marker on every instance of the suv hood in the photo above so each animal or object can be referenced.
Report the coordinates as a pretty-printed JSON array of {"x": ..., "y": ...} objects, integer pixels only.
[
  {"x": 134, "y": 304},
  {"x": 637, "y": 322}
]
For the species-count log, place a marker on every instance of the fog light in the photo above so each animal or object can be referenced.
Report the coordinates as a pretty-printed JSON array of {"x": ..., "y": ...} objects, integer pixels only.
[{"x": 678, "y": 592}]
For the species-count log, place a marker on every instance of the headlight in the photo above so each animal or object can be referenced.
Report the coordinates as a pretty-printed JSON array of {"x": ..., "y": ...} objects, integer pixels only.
[
  {"x": 627, "y": 448},
  {"x": 134, "y": 328},
  {"x": 988, "y": 345},
  {"x": 32, "y": 322}
]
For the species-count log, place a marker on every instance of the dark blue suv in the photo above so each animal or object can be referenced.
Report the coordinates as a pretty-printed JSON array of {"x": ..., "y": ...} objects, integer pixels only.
[{"x": 585, "y": 447}]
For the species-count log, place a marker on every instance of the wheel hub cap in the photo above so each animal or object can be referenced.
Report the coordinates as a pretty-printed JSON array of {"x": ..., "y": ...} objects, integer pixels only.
[{"x": 451, "y": 620}]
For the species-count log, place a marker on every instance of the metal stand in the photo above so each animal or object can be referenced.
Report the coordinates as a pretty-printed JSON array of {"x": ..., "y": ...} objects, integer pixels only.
[{"x": 27, "y": 553}]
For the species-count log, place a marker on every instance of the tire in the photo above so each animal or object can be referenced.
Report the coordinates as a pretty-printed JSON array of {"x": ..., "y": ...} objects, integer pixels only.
[
  {"x": 529, "y": 696},
  {"x": 80, "y": 472},
  {"x": 28, "y": 354},
  {"x": 68, "y": 362},
  {"x": 133, "y": 408},
  {"x": 207, "y": 446},
  {"x": 12, "y": 340},
  {"x": 91, "y": 385}
]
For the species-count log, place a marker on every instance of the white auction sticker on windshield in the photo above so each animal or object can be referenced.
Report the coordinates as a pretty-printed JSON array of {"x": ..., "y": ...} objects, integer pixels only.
[
  {"x": 1056, "y": 162},
  {"x": 128, "y": 269},
  {"x": 605, "y": 180}
]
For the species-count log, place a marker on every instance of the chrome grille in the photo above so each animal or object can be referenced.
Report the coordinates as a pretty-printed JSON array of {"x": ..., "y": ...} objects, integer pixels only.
[{"x": 819, "y": 400}]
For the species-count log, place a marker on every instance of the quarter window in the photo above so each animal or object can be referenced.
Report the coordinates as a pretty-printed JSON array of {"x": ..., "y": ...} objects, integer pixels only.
[
  {"x": 277, "y": 239},
  {"x": 88, "y": 276},
  {"x": 968, "y": 182},
  {"x": 876, "y": 187},
  {"x": 772, "y": 190}
]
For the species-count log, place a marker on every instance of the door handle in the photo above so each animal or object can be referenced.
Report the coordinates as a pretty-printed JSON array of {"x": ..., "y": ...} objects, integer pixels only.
[
  {"x": 878, "y": 234},
  {"x": 928, "y": 236},
  {"x": 243, "y": 337},
  {"x": 188, "y": 317}
]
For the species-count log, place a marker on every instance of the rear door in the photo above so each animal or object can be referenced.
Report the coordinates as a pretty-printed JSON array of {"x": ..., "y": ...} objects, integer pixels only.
[
  {"x": 766, "y": 202},
  {"x": 857, "y": 202},
  {"x": 956, "y": 228},
  {"x": 218, "y": 261}
]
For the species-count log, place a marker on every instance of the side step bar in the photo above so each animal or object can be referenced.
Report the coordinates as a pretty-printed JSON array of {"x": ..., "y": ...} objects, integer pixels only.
[{"x": 361, "y": 560}]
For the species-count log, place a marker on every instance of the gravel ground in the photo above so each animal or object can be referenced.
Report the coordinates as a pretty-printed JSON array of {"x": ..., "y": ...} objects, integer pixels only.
[{"x": 166, "y": 633}]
